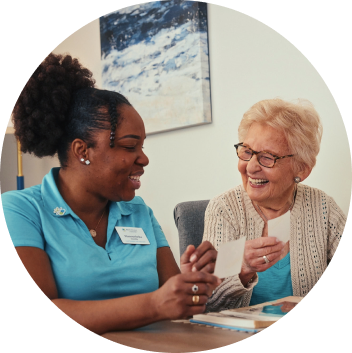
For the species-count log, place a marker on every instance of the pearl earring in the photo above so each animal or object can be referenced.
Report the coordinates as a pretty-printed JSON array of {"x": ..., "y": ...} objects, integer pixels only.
[
  {"x": 297, "y": 180},
  {"x": 82, "y": 159}
]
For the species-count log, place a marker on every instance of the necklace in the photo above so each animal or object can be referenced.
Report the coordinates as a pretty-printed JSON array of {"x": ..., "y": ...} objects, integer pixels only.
[
  {"x": 289, "y": 209},
  {"x": 93, "y": 232}
]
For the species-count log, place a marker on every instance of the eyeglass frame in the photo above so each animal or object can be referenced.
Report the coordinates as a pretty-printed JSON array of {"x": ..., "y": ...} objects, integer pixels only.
[{"x": 256, "y": 153}]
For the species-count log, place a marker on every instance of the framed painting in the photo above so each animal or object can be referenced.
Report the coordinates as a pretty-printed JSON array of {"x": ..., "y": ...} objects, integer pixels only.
[{"x": 157, "y": 55}]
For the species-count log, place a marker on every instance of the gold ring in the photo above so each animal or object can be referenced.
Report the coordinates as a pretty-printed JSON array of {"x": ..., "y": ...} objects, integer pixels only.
[{"x": 195, "y": 299}]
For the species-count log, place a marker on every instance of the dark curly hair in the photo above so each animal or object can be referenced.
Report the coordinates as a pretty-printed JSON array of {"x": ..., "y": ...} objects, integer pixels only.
[{"x": 59, "y": 104}]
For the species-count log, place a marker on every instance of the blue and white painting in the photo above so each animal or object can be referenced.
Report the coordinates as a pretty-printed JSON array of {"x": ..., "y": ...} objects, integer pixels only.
[{"x": 156, "y": 54}]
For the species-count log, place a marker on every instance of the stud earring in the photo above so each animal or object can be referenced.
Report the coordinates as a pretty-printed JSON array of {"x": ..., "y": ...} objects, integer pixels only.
[
  {"x": 297, "y": 180},
  {"x": 87, "y": 162}
]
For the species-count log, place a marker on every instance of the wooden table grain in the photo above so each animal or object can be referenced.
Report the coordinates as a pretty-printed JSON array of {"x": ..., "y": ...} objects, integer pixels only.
[{"x": 177, "y": 337}]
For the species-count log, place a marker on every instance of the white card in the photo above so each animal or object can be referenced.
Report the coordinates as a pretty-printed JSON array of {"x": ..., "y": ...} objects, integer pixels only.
[
  {"x": 132, "y": 235},
  {"x": 229, "y": 259},
  {"x": 280, "y": 227}
]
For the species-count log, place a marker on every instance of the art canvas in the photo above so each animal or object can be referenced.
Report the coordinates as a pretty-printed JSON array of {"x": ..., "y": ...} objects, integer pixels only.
[{"x": 156, "y": 54}]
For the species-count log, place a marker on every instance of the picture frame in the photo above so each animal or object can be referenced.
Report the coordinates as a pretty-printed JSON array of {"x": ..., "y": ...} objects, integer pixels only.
[{"x": 156, "y": 54}]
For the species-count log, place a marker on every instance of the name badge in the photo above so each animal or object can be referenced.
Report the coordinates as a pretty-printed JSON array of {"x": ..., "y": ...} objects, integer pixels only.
[{"x": 131, "y": 235}]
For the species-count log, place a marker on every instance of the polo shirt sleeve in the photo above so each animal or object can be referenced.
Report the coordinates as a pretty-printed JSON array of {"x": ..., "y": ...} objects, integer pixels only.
[
  {"x": 23, "y": 219},
  {"x": 159, "y": 234}
]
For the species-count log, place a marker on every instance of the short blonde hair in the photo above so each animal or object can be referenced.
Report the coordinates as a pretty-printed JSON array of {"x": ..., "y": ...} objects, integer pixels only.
[{"x": 299, "y": 122}]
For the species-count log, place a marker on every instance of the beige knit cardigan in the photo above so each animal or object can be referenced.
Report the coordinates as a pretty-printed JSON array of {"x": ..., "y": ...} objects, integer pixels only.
[{"x": 317, "y": 224}]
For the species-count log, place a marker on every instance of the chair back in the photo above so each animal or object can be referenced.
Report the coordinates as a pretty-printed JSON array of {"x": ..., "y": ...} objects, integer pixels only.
[{"x": 189, "y": 220}]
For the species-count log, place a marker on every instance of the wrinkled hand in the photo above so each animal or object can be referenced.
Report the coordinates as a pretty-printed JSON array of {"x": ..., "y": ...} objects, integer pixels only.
[
  {"x": 254, "y": 251},
  {"x": 201, "y": 259},
  {"x": 173, "y": 300}
]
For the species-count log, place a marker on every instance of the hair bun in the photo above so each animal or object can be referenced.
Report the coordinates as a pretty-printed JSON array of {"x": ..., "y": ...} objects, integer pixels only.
[{"x": 41, "y": 110}]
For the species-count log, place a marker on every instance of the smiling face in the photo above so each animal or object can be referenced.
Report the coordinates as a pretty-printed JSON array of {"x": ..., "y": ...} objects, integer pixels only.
[
  {"x": 114, "y": 172},
  {"x": 268, "y": 187}
]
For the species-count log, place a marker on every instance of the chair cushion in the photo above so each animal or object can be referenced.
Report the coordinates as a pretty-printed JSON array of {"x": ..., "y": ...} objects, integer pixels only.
[{"x": 189, "y": 220}]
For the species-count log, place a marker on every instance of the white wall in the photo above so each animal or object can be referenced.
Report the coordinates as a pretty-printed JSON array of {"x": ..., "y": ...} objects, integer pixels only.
[
  {"x": 248, "y": 62},
  {"x": 84, "y": 44}
]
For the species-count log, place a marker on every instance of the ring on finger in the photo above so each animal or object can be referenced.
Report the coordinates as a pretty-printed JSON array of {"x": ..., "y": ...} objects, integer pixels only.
[
  {"x": 266, "y": 259},
  {"x": 195, "y": 289},
  {"x": 195, "y": 299}
]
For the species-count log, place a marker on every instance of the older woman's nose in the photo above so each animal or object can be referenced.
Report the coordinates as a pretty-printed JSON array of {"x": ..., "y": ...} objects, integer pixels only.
[{"x": 253, "y": 164}]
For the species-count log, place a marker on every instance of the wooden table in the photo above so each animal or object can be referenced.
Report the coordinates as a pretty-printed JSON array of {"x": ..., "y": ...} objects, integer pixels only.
[{"x": 180, "y": 336}]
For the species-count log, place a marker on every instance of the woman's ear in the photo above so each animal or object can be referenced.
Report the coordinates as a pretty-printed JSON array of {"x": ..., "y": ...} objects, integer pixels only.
[
  {"x": 304, "y": 173},
  {"x": 79, "y": 149}
]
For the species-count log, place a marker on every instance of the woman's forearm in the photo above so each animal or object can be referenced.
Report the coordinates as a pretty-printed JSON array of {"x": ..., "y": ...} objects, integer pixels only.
[
  {"x": 112, "y": 314},
  {"x": 246, "y": 278},
  {"x": 174, "y": 300},
  {"x": 229, "y": 294}
]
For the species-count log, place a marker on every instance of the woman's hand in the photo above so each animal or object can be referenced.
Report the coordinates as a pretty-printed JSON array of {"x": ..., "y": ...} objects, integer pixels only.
[
  {"x": 253, "y": 260},
  {"x": 174, "y": 299},
  {"x": 201, "y": 259}
]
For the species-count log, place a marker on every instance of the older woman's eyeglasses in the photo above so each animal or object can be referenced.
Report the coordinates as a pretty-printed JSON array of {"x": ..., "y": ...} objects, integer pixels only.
[{"x": 265, "y": 159}]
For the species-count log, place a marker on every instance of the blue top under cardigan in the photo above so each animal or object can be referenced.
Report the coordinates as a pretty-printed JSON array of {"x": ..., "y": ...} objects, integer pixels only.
[{"x": 274, "y": 283}]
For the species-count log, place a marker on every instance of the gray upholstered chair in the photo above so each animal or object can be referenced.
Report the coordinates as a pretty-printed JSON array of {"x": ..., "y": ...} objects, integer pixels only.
[{"x": 189, "y": 220}]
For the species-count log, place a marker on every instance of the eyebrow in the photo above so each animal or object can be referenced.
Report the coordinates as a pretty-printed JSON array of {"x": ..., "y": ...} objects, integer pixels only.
[{"x": 273, "y": 153}]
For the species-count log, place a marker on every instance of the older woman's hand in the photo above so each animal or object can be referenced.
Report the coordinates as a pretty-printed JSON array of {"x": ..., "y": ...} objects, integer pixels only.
[
  {"x": 201, "y": 259},
  {"x": 254, "y": 252}
]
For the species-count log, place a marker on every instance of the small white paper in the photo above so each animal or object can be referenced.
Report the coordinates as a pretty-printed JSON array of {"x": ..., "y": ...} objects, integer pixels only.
[
  {"x": 132, "y": 235},
  {"x": 280, "y": 227},
  {"x": 229, "y": 259}
]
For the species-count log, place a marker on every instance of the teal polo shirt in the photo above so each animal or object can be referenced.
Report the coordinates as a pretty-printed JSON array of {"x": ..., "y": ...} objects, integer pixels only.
[{"x": 39, "y": 217}]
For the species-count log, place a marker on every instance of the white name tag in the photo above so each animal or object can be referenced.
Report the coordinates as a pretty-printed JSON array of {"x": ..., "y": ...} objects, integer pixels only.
[{"x": 131, "y": 235}]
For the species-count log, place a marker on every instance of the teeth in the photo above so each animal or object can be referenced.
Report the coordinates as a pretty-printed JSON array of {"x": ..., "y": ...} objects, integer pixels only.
[
  {"x": 257, "y": 181},
  {"x": 134, "y": 177}
]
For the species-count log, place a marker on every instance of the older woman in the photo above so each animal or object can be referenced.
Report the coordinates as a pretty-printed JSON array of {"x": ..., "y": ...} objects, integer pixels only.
[
  {"x": 92, "y": 247},
  {"x": 278, "y": 149}
]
